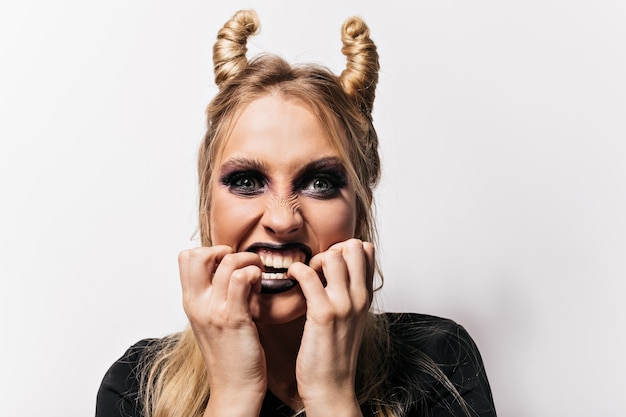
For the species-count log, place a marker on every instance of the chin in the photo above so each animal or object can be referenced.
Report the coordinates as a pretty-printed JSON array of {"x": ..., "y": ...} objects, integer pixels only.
[{"x": 278, "y": 308}]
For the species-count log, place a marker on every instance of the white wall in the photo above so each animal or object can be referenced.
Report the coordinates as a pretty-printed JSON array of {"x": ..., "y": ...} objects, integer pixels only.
[{"x": 503, "y": 135}]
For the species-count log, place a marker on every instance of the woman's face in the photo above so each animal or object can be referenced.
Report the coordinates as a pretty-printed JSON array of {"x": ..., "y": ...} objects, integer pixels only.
[{"x": 280, "y": 190}]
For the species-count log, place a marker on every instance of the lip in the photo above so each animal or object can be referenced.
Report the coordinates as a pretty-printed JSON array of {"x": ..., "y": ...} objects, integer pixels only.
[
  {"x": 257, "y": 246},
  {"x": 275, "y": 286}
]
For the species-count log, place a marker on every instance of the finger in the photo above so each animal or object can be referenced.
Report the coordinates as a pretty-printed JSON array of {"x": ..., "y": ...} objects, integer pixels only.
[
  {"x": 229, "y": 264},
  {"x": 310, "y": 284},
  {"x": 355, "y": 258},
  {"x": 240, "y": 286},
  {"x": 370, "y": 254},
  {"x": 196, "y": 267},
  {"x": 360, "y": 277},
  {"x": 332, "y": 265},
  {"x": 315, "y": 263},
  {"x": 337, "y": 292},
  {"x": 359, "y": 260}
]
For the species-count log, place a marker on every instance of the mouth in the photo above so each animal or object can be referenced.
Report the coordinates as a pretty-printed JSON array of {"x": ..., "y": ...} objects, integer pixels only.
[{"x": 276, "y": 260}]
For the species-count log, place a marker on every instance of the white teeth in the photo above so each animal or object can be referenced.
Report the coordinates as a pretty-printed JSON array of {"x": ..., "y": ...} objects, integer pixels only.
[
  {"x": 273, "y": 275},
  {"x": 281, "y": 260}
]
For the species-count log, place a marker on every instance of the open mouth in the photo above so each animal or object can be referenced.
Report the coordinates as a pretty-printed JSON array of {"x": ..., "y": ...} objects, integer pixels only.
[{"x": 276, "y": 259}]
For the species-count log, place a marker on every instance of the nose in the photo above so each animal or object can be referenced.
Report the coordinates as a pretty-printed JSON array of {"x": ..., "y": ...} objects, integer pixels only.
[{"x": 282, "y": 217}]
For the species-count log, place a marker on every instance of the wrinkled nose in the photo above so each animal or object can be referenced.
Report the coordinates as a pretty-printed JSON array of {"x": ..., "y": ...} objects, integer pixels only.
[{"x": 282, "y": 217}]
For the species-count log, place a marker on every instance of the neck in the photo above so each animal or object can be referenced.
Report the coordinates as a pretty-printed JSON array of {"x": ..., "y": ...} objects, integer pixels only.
[{"x": 281, "y": 344}]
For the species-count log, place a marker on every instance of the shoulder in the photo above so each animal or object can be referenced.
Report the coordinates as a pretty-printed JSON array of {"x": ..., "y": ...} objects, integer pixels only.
[
  {"x": 119, "y": 391},
  {"x": 439, "y": 356},
  {"x": 127, "y": 366},
  {"x": 443, "y": 340}
]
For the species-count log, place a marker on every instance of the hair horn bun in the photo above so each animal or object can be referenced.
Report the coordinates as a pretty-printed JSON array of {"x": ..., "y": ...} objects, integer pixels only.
[
  {"x": 229, "y": 51},
  {"x": 360, "y": 77}
]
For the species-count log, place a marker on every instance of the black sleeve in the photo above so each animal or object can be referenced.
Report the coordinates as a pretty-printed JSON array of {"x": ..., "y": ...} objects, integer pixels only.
[
  {"x": 118, "y": 393},
  {"x": 458, "y": 357}
]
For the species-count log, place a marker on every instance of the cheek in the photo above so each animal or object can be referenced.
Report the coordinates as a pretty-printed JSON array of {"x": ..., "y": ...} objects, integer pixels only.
[
  {"x": 333, "y": 223},
  {"x": 230, "y": 218}
]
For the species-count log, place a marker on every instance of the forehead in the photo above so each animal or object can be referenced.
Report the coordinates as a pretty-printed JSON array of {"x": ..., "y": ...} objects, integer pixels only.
[{"x": 279, "y": 128}]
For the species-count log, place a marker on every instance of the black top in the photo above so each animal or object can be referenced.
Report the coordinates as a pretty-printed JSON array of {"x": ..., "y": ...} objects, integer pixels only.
[{"x": 415, "y": 338}]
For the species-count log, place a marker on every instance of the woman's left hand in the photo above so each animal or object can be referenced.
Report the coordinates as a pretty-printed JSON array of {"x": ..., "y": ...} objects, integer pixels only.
[{"x": 335, "y": 320}]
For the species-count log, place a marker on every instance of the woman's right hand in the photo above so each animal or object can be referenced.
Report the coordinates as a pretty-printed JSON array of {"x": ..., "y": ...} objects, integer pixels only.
[{"x": 216, "y": 285}]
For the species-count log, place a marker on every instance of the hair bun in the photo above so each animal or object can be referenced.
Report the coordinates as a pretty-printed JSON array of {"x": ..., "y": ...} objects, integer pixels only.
[
  {"x": 360, "y": 77},
  {"x": 229, "y": 51}
]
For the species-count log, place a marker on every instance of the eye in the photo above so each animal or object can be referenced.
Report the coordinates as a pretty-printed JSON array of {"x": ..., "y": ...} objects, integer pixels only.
[
  {"x": 245, "y": 183},
  {"x": 320, "y": 184},
  {"x": 323, "y": 185}
]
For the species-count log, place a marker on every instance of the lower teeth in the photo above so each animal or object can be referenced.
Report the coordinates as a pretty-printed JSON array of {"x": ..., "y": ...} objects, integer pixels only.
[{"x": 273, "y": 275}]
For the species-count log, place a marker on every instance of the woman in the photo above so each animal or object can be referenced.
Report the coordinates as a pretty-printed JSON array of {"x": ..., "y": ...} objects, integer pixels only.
[{"x": 278, "y": 297}]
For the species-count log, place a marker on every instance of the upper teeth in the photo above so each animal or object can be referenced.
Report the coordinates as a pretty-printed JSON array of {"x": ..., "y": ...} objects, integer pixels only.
[{"x": 280, "y": 260}]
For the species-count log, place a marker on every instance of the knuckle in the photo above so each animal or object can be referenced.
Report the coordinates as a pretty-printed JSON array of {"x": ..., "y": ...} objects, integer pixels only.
[
  {"x": 354, "y": 243},
  {"x": 229, "y": 261},
  {"x": 344, "y": 311},
  {"x": 194, "y": 256},
  {"x": 196, "y": 253},
  {"x": 234, "y": 321},
  {"x": 239, "y": 277},
  {"x": 184, "y": 256},
  {"x": 334, "y": 253},
  {"x": 310, "y": 274},
  {"x": 362, "y": 306}
]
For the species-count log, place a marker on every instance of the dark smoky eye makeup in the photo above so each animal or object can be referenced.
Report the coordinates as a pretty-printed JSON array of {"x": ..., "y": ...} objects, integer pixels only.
[
  {"x": 325, "y": 181},
  {"x": 244, "y": 182}
]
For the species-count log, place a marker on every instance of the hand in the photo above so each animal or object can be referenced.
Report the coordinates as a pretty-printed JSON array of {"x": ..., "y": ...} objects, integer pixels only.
[
  {"x": 335, "y": 320},
  {"x": 216, "y": 286}
]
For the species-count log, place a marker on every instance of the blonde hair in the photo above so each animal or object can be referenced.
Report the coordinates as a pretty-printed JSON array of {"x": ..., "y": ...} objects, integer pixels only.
[
  {"x": 174, "y": 381},
  {"x": 343, "y": 102}
]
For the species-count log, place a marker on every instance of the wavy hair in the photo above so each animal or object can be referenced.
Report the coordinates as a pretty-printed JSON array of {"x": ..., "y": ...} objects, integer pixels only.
[{"x": 174, "y": 381}]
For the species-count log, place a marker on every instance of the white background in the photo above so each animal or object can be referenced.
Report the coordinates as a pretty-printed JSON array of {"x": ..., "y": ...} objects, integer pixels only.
[{"x": 502, "y": 128}]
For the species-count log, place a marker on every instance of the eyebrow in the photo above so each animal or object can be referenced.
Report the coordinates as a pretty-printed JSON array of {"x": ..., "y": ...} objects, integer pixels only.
[
  {"x": 251, "y": 164},
  {"x": 329, "y": 162},
  {"x": 254, "y": 164}
]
